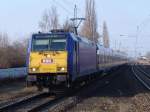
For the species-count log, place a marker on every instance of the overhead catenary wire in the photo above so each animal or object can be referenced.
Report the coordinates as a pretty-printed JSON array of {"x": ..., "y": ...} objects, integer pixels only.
[
  {"x": 68, "y": 2},
  {"x": 70, "y": 5},
  {"x": 63, "y": 7},
  {"x": 144, "y": 24}
]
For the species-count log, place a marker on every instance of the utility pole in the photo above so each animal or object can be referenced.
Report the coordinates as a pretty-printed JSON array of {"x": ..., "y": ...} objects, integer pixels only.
[
  {"x": 76, "y": 21},
  {"x": 119, "y": 47}
]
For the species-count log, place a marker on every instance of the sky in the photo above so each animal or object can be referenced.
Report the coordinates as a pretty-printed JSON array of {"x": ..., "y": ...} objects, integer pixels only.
[{"x": 19, "y": 18}]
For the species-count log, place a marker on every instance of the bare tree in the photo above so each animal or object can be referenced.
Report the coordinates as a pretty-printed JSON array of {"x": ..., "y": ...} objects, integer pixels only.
[
  {"x": 45, "y": 24},
  {"x": 18, "y": 54},
  {"x": 12, "y": 54},
  {"x": 49, "y": 20},
  {"x": 89, "y": 28},
  {"x": 4, "y": 41},
  {"x": 68, "y": 25},
  {"x": 54, "y": 18},
  {"x": 105, "y": 36}
]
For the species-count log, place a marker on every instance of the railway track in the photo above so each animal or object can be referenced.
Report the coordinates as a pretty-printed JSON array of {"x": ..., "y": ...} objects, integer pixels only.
[
  {"x": 31, "y": 104},
  {"x": 141, "y": 75},
  {"x": 42, "y": 101}
]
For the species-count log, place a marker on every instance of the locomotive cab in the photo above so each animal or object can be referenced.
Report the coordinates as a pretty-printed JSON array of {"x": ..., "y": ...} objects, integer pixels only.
[{"x": 48, "y": 59}]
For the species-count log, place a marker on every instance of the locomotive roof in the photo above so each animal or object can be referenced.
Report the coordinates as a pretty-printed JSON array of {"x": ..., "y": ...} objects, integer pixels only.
[
  {"x": 72, "y": 35},
  {"x": 81, "y": 39}
]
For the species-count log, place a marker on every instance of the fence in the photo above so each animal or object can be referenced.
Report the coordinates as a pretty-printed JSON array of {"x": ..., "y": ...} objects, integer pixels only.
[{"x": 13, "y": 73}]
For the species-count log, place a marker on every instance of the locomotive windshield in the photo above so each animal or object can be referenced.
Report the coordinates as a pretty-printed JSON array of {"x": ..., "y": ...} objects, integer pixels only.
[{"x": 49, "y": 43}]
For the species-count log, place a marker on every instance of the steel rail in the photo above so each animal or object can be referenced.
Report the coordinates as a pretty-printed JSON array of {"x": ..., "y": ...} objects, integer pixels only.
[
  {"x": 139, "y": 78},
  {"x": 21, "y": 102},
  {"x": 148, "y": 75},
  {"x": 47, "y": 104}
]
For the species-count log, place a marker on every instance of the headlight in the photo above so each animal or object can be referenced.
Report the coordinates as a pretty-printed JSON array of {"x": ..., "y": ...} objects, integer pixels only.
[
  {"x": 62, "y": 69},
  {"x": 33, "y": 69}
]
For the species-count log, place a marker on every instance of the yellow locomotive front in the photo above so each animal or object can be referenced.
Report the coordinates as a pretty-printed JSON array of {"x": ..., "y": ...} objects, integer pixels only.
[
  {"x": 48, "y": 62},
  {"x": 47, "y": 59}
]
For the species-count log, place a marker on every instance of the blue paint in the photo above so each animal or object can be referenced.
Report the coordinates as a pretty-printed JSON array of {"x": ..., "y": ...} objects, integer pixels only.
[{"x": 70, "y": 48}]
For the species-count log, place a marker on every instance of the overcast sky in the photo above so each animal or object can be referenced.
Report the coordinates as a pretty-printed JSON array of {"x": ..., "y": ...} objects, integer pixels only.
[{"x": 21, "y": 17}]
